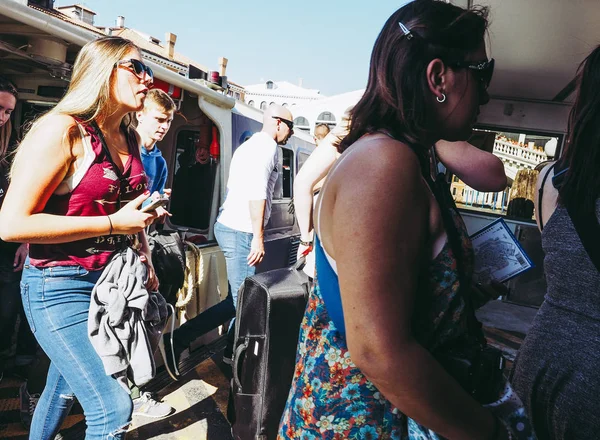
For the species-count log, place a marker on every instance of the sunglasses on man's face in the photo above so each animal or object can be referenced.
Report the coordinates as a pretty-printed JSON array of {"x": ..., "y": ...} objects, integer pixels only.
[
  {"x": 287, "y": 122},
  {"x": 482, "y": 70},
  {"x": 137, "y": 67}
]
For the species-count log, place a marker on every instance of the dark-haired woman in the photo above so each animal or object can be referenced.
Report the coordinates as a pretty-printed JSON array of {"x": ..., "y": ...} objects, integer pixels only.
[
  {"x": 76, "y": 185},
  {"x": 390, "y": 320},
  {"x": 12, "y": 255},
  {"x": 556, "y": 371}
]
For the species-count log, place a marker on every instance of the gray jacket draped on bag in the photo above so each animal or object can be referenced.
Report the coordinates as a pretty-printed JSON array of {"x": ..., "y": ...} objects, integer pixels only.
[{"x": 125, "y": 321}]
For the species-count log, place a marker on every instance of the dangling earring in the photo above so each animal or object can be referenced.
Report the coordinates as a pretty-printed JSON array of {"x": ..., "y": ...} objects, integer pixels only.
[{"x": 441, "y": 100}]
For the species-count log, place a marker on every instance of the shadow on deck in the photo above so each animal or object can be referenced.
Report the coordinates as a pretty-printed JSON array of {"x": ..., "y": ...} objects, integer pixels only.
[{"x": 199, "y": 398}]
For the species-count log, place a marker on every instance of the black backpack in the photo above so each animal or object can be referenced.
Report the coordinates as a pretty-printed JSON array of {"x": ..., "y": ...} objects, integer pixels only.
[{"x": 168, "y": 259}]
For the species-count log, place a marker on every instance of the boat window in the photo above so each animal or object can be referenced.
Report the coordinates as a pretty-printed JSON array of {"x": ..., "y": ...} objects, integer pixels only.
[
  {"x": 301, "y": 123},
  {"x": 523, "y": 154},
  {"x": 283, "y": 185},
  {"x": 194, "y": 179},
  {"x": 302, "y": 157},
  {"x": 325, "y": 117}
]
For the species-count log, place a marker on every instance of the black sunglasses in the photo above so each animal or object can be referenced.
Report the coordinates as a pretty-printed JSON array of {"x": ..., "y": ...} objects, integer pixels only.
[
  {"x": 138, "y": 68},
  {"x": 287, "y": 122},
  {"x": 483, "y": 70}
]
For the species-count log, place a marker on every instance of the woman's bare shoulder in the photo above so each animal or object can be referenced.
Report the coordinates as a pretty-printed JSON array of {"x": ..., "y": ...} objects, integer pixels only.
[
  {"x": 546, "y": 173},
  {"x": 53, "y": 139},
  {"x": 56, "y": 123},
  {"x": 378, "y": 157}
]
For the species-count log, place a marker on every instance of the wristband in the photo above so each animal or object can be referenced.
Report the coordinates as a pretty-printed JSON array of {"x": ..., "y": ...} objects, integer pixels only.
[{"x": 306, "y": 243}]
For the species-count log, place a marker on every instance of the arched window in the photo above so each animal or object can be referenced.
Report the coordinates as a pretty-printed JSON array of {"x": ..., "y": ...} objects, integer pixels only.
[
  {"x": 269, "y": 85},
  {"x": 251, "y": 103},
  {"x": 272, "y": 103},
  {"x": 301, "y": 123},
  {"x": 285, "y": 104},
  {"x": 326, "y": 118},
  {"x": 263, "y": 105}
]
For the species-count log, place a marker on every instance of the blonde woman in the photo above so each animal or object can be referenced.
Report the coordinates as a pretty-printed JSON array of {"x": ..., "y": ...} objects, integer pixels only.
[{"x": 76, "y": 185}]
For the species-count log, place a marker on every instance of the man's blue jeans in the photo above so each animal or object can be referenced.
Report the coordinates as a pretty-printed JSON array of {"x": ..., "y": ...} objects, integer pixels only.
[
  {"x": 56, "y": 301},
  {"x": 236, "y": 247}
]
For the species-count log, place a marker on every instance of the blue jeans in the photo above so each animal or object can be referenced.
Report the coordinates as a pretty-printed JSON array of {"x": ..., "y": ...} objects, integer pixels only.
[
  {"x": 56, "y": 301},
  {"x": 236, "y": 247}
]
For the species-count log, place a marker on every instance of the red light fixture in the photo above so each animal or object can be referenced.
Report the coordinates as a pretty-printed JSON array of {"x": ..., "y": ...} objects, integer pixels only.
[{"x": 215, "y": 147}]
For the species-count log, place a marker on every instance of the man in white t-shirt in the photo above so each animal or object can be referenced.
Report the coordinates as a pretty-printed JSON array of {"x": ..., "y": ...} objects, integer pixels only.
[{"x": 240, "y": 226}]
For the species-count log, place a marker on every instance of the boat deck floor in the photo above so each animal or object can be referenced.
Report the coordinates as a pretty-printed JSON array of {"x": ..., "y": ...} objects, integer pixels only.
[{"x": 200, "y": 396}]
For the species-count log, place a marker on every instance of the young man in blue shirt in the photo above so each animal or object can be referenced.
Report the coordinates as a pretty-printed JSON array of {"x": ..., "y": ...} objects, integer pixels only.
[{"x": 154, "y": 121}]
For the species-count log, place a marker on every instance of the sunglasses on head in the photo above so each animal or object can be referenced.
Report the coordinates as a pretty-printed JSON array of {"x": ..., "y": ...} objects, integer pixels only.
[
  {"x": 137, "y": 67},
  {"x": 287, "y": 122},
  {"x": 483, "y": 70}
]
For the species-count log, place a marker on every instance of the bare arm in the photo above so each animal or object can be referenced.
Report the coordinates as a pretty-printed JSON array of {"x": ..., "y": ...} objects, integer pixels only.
[
  {"x": 479, "y": 169},
  {"x": 42, "y": 163},
  {"x": 550, "y": 196},
  {"x": 257, "y": 216},
  {"x": 146, "y": 257},
  {"x": 380, "y": 250},
  {"x": 313, "y": 171}
]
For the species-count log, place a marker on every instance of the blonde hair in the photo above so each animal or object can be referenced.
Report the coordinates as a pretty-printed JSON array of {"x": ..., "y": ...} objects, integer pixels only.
[
  {"x": 159, "y": 99},
  {"x": 89, "y": 91},
  {"x": 88, "y": 95}
]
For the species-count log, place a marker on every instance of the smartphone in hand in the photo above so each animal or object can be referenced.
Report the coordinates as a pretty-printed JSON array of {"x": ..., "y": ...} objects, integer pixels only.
[{"x": 152, "y": 206}]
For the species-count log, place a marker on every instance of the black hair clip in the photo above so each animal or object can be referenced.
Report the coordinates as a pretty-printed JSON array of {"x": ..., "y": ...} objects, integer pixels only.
[{"x": 407, "y": 33}]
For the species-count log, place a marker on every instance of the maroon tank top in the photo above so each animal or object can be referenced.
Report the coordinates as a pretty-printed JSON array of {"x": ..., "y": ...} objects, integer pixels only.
[{"x": 100, "y": 192}]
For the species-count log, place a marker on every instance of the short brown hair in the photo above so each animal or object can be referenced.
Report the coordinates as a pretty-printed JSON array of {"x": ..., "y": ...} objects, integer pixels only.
[
  {"x": 322, "y": 127},
  {"x": 160, "y": 99}
]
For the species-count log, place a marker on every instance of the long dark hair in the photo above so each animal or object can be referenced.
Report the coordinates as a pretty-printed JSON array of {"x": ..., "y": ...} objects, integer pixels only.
[
  {"x": 581, "y": 187},
  {"x": 5, "y": 131},
  {"x": 396, "y": 95}
]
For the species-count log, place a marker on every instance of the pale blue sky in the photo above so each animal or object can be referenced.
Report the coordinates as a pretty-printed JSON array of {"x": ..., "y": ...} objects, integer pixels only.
[{"x": 327, "y": 43}]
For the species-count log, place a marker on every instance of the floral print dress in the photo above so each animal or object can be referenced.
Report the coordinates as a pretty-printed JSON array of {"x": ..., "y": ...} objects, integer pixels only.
[{"x": 331, "y": 399}]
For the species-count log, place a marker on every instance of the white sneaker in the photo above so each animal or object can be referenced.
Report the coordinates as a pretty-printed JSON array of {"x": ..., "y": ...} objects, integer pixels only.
[{"x": 147, "y": 406}]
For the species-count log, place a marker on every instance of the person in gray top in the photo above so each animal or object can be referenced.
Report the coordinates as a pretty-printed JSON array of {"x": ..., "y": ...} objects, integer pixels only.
[{"x": 556, "y": 370}]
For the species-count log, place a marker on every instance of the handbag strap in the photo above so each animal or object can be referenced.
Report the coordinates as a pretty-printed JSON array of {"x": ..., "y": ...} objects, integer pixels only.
[{"x": 441, "y": 191}]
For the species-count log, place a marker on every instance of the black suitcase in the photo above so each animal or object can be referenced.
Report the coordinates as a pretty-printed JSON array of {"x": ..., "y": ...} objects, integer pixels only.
[{"x": 269, "y": 313}]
